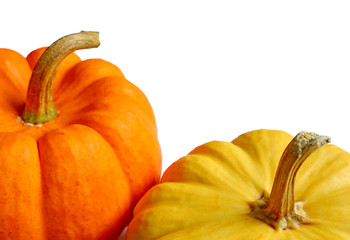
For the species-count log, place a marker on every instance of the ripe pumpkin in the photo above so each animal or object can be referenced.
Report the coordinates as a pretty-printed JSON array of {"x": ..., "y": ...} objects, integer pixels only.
[
  {"x": 78, "y": 149},
  {"x": 221, "y": 191}
]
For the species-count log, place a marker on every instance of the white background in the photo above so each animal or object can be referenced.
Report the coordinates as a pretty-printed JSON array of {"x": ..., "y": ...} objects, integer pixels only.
[{"x": 212, "y": 70}]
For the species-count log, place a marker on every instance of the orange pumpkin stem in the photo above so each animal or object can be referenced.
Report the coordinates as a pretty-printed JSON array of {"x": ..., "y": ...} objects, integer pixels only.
[
  {"x": 39, "y": 107},
  {"x": 280, "y": 209}
]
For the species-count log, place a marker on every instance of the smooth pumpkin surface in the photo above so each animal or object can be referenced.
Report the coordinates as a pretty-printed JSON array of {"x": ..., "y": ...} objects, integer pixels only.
[
  {"x": 208, "y": 193},
  {"x": 79, "y": 175}
]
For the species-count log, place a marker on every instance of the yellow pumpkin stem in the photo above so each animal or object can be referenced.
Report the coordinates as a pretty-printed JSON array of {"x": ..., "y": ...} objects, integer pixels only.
[
  {"x": 280, "y": 209},
  {"x": 39, "y": 107}
]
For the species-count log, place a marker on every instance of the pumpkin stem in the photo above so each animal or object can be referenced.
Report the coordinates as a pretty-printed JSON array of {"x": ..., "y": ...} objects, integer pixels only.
[
  {"x": 39, "y": 107},
  {"x": 280, "y": 210}
]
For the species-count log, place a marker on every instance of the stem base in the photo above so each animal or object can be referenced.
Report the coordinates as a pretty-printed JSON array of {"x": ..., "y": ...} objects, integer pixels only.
[
  {"x": 293, "y": 220},
  {"x": 36, "y": 117}
]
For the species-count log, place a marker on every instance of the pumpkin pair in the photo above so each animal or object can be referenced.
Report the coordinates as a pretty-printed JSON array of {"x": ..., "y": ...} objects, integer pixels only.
[{"x": 76, "y": 169}]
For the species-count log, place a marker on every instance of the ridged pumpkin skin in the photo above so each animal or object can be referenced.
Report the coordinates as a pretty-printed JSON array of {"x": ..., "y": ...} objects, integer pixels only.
[
  {"x": 79, "y": 175},
  {"x": 207, "y": 194}
]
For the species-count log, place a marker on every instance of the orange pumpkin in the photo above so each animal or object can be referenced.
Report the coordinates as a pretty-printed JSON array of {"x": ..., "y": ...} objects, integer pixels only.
[{"x": 76, "y": 153}]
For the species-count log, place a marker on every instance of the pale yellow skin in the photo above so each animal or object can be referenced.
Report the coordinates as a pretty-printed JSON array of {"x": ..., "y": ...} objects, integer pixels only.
[{"x": 206, "y": 195}]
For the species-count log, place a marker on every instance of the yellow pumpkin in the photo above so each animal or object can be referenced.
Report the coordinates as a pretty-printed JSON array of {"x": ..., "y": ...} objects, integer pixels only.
[{"x": 249, "y": 189}]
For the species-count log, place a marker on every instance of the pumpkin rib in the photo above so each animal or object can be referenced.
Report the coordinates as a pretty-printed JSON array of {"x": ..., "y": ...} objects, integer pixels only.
[
  {"x": 84, "y": 74},
  {"x": 265, "y": 147},
  {"x": 14, "y": 77},
  {"x": 339, "y": 198},
  {"x": 317, "y": 231},
  {"x": 236, "y": 152},
  {"x": 181, "y": 198},
  {"x": 183, "y": 194},
  {"x": 20, "y": 169},
  {"x": 76, "y": 206},
  {"x": 179, "y": 225},
  {"x": 122, "y": 146},
  {"x": 338, "y": 230},
  {"x": 14, "y": 73},
  {"x": 203, "y": 170},
  {"x": 34, "y": 56},
  {"x": 224, "y": 229},
  {"x": 158, "y": 215},
  {"x": 11, "y": 98},
  {"x": 117, "y": 118},
  {"x": 234, "y": 159},
  {"x": 186, "y": 228},
  {"x": 115, "y": 96},
  {"x": 9, "y": 117},
  {"x": 327, "y": 175}
]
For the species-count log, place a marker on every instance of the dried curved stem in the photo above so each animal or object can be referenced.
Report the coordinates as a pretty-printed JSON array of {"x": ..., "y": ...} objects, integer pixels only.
[
  {"x": 280, "y": 210},
  {"x": 39, "y": 107}
]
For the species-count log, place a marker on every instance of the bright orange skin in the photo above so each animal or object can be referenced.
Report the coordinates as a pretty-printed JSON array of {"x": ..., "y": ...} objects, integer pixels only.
[{"x": 79, "y": 175}]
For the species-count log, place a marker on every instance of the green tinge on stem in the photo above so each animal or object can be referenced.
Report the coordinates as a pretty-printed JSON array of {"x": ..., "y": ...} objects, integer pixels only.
[
  {"x": 39, "y": 107},
  {"x": 35, "y": 118}
]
